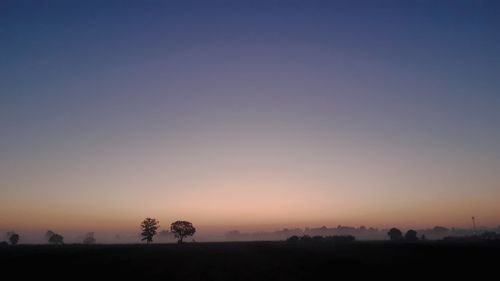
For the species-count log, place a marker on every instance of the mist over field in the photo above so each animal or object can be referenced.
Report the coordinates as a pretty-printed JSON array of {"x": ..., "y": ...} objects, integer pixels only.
[{"x": 165, "y": 236}]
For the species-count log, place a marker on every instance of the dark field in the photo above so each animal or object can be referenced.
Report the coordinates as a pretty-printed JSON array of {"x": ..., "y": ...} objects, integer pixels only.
[{"x": 253, "y": 261}]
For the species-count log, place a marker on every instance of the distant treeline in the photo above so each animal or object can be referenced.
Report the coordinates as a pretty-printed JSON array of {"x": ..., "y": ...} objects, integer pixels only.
[
  {"x": 179, "y": 230},
  {"x": 329, "y": 239},
  {"x": 360, "y": 233},
  {"x": 485, "y": 236},
  {"x": 394, "y": 235}
]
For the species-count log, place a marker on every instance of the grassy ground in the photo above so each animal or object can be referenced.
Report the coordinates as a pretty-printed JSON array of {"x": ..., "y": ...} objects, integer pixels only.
[{"x": 253, "y": 261}]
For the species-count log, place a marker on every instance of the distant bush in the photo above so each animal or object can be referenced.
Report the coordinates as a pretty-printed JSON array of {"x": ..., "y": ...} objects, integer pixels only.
[
  {"x": 56, "y": 239},
  {"x": 485, "y": 236},
  {"x": 395, "y": 234},
  {"x": 490, "y": 235},
  {"x": 306, "y": 238},
  {"x": 411, "y": 236},
  {"x": 321, "y": 239},
  {"x": 340, "y": 238},
  {"x": 13, "y": 238},
  {"x": 293, "y": 239}
]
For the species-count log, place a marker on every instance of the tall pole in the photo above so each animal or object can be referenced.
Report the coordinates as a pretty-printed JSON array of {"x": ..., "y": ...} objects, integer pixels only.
[{"x": 474, "y": 225}]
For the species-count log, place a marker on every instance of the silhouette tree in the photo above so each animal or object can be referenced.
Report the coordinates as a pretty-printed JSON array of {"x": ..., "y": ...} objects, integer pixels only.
[
  {"x": 53, "y": 238},
  {"x": 182, "y": 229},
  {"x": 49, "y": 234},
  {"x": 395, "y": 234},
  {"x": 439, "y": 232},
  {"x": 56, "y": 239},
  {"x": 89, "y": 238},
  {"x": 411, "y": 235},
  {"x": 13, "y": 238},
  {"x": 149, "y": 227}
]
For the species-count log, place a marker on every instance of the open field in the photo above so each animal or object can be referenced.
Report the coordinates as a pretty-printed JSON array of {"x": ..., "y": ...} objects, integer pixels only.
[{"x": 253, "y": 260}]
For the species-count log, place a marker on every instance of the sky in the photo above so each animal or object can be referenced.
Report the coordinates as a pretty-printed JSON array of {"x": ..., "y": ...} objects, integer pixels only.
[{"x": 249, "y": 115}]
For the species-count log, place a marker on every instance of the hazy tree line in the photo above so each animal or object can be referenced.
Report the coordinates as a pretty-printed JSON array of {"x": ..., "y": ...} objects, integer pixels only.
[
  {"x": 360, "y": 233},
  {"x": 331, "y": 239},
  {"x": 180, "y": 230},
  {"x": 395, "y": 235}
]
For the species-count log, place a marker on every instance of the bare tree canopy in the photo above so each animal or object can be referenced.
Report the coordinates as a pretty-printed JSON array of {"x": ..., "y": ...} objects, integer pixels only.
[{"x": 13, "y": 237}]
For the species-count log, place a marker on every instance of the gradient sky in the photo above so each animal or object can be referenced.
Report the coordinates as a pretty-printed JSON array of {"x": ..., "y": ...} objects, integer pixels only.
[{"x": 249, "y": 115}]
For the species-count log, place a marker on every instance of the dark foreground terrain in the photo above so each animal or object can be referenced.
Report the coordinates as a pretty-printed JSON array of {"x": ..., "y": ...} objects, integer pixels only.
[{"x": 253, "y": 261}]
